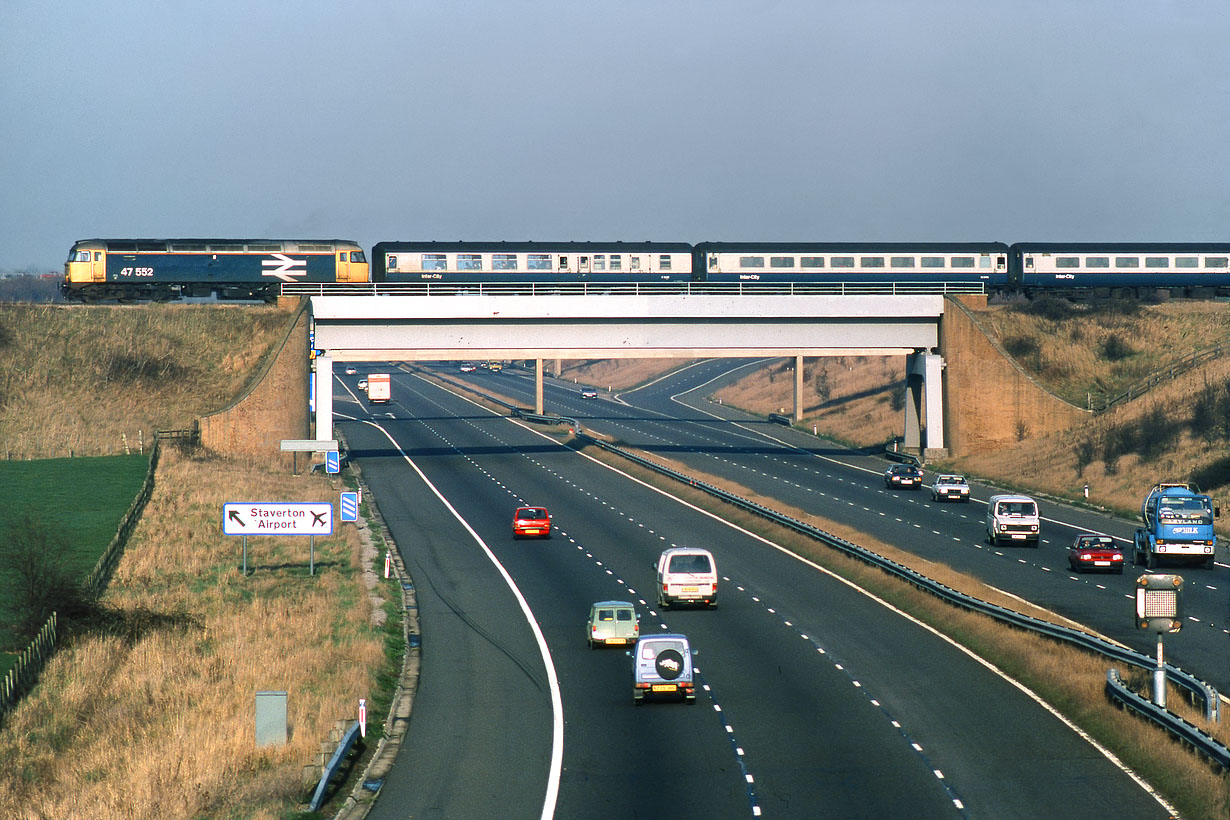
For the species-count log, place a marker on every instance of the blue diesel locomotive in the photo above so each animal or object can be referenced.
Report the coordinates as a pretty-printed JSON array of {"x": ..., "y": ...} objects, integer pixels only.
[{"x": 133, "y": 270}]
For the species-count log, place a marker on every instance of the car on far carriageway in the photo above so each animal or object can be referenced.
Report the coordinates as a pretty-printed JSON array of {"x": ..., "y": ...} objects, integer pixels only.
[
  {"x": 950, "y": 487},
  {"x": 1091, "y": 551},
  {"x": 350, "y": 371},
  {"x": 469, "y": 367},
  {"x": 589, "y": 393},
  {"x": 903, "y": 475},
  {"x": 531, "y": 522}
]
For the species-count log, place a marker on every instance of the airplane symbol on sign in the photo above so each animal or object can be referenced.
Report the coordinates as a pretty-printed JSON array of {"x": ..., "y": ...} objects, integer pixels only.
[
  {"x": 317, "y": 518},
  {"x": 286, "y": 268}
]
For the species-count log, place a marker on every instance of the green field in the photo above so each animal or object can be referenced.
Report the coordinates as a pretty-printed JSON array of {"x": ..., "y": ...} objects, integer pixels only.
[{"x": 78, "y": 500}]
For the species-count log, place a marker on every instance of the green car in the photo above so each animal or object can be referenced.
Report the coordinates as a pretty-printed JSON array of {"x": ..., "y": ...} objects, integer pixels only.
[{"x": 612, "y": 623}]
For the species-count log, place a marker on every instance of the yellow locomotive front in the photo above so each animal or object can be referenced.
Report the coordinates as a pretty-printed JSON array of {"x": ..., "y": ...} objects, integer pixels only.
[{"x": 86, "y": 265}]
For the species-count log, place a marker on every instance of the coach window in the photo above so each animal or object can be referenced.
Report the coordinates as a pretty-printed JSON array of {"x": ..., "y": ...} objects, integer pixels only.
[
  {"x": 963, "y": 261},
  {"x": 1067, "y": 261},
  {"x": 664, "y": 261},
  {"x": 1157, "y": 261},
  {"x": 751, "y": 261},
  {"x": 435, "y": 261},
  {"x": 563, "y": 263},
  {"x": 1127, "y": 262},
  {"x": 616, "y": 261},
  {"x": 812, "y": 262},
  {"x": 781, "y": 261},
  {"x": 1215, "y": 261},
  {"x": 984, "y": 261},
  {"x": 469, "y": 261},
  {"x": 599, "y": 261},
  {"x": 842, "y": 262},
  {"x": 871, "y": 262},
  {"x": 1097, "y": 261},
  {"x": 391, "y": 264},
  {"x": 933, "y": 261},
  {"x": 504, "y": 261},
  {"x": 539, "y": 261},
  {"x": 1187, "y": 261},
  {"x": 902, "y": 262},
  {"x": 634, "y": 263}
]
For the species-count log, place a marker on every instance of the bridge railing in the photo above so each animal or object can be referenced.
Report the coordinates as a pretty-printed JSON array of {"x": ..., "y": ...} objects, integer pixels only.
[{"x": 631, "y": 288}]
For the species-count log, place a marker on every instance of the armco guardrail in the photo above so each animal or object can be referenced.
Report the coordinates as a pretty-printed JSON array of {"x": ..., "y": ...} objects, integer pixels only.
[
  {"x": 332, "y": 767},
  {"x": 1194, "y": 736},
  {"x": 1179, "y": 677}
]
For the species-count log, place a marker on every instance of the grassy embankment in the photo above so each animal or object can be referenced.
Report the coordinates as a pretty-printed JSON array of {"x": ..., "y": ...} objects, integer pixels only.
[{"x": 146, "y": 711}]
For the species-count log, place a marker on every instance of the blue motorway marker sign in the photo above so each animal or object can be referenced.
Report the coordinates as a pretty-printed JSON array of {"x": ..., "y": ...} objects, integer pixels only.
[
  {"x": 331, "y": 462},
  {"x": 350, "y": 506}
]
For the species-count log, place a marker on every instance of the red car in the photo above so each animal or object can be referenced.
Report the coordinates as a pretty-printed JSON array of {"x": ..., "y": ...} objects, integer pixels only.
[
  {"x": 1095, "y": 552},
  {"x": 531, "y": 522}
]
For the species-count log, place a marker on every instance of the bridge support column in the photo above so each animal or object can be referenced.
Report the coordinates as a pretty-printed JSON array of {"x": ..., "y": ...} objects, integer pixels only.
[
  {"x": 798, "y": 389},
  {"x": 924, "y": 391},
  {"x": 538, "y": 386},
  {"x": 324, "y": 398}
]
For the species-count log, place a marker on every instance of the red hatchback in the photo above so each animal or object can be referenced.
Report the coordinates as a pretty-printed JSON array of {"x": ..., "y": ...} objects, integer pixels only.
[
  {"x": 1095, "y": 552},
  {"x": 531, "y": 522}
]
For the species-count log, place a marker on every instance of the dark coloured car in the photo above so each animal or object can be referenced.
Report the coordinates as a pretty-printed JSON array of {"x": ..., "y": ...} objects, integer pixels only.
[
  {"x": 1090, "y": 552},
  {"x": 904, "y": 476}
]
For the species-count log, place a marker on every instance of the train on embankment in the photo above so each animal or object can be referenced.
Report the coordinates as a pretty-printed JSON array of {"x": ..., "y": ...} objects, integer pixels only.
[{"x": 134, "y": 270}]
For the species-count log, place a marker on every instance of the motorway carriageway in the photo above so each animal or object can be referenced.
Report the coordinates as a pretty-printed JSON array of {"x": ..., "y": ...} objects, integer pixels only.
[
  {"x": 817, "y": 700},
  {"x": 671, "y": 417}
]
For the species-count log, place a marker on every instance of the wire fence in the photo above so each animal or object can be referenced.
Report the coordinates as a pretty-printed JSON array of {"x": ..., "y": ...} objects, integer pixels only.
[
  {"x": 22, "y": 677},
  {"x": 1170, "y": 371}
]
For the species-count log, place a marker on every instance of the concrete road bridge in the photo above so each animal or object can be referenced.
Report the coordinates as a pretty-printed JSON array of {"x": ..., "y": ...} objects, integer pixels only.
[{"x": 478, "y": 326}]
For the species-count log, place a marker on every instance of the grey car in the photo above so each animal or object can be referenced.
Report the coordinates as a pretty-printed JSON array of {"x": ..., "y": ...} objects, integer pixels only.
[{"x": 612, "y": 623}]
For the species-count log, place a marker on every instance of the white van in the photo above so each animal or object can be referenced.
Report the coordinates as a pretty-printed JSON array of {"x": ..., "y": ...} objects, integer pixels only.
[
  {"x": 1013, "y": 519},
  {"x": 687, "y": 575}
]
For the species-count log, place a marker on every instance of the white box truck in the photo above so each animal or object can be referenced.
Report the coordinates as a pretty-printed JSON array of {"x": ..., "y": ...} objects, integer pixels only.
[{"x": 379, "y": 388}]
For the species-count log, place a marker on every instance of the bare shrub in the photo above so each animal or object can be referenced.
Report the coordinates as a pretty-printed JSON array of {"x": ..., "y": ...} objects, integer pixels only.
[
  {"x": 1115, "y": 349},
  {"x": 39, "y": 576},
  {"x": 1021, "y": 346},
  {"x": 1048, "y": 307}
]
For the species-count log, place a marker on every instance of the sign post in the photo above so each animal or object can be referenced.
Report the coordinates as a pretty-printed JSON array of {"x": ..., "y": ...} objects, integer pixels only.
[{"x": 1159, "y": 608}]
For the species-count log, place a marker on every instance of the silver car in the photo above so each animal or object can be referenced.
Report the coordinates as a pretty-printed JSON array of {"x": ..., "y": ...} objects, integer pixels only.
[
  {"x": 662, "y": 668},
  {"x": 950, "y": 488}
]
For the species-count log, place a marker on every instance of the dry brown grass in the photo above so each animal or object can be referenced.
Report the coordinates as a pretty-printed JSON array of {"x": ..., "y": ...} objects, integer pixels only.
[
  {"x": 618, "y": 374},
  {"x": 1069, "y": 679},
  {"x": 151, "y": 715},
  {"x": 82, "y": 380}
]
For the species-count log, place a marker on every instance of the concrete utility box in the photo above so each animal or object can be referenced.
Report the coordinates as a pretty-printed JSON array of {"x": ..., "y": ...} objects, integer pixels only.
[{"x": 270, "y": 719}]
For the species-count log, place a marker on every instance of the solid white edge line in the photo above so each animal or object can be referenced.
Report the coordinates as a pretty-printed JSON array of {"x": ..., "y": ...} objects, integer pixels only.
[{"x": 557, "y": 703}]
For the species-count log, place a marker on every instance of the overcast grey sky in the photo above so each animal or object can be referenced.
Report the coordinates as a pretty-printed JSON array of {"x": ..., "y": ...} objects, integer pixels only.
[{"x": 1007, "y": 120}]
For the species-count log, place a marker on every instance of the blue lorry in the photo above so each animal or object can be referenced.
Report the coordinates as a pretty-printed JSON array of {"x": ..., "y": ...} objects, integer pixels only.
[{"x": 1178, "y": 525}]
